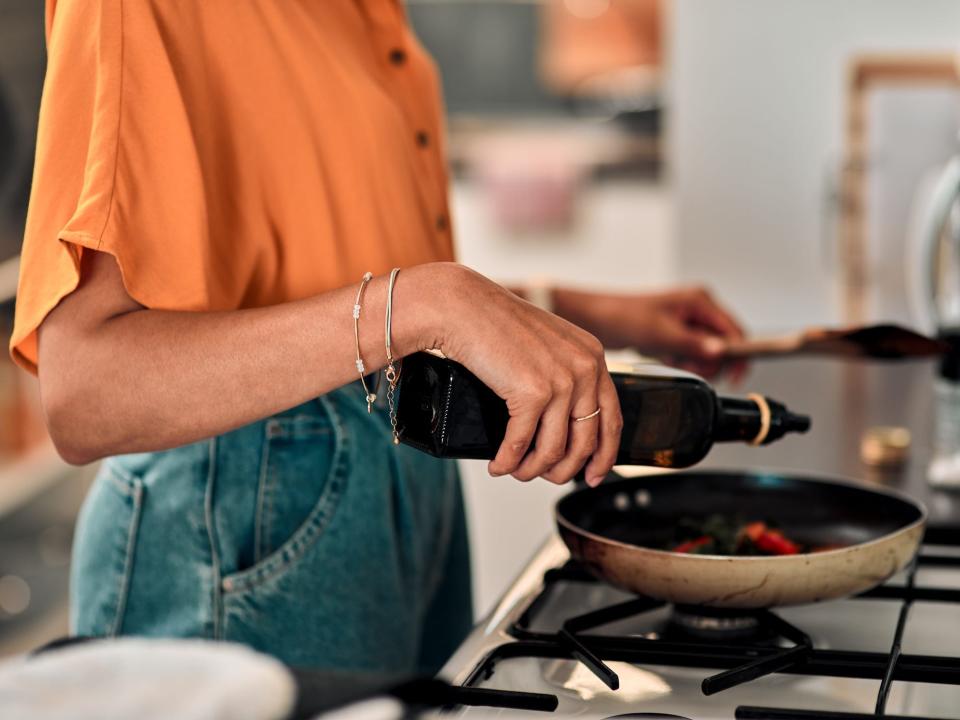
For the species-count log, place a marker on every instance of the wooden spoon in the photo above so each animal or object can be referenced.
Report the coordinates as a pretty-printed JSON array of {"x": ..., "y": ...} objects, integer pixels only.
[{"x": 883, "y": 342}]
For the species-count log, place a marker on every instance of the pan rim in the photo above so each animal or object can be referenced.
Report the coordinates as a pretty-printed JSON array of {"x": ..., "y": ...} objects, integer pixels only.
[{"x": 821, "y": 478}]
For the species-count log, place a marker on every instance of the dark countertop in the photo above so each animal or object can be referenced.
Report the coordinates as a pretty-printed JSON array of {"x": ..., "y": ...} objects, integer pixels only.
[{"x": 844, "y": 398}]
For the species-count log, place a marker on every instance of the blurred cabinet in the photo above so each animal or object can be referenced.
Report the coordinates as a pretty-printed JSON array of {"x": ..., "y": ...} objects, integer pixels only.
[{"x": 22, "y": 62}]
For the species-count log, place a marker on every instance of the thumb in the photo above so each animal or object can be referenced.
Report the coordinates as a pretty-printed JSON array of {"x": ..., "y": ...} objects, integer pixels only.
[{"x": 696, "y": 344}]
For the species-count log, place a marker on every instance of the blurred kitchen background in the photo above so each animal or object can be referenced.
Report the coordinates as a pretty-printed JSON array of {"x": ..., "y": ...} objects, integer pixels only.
[{"x": 779, "y": 151}]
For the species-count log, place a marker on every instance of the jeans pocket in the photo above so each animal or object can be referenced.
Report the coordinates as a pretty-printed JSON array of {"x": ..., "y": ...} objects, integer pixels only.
[
  {"x": 301, "y": 479},
  {"x": 104, "y": 549}
]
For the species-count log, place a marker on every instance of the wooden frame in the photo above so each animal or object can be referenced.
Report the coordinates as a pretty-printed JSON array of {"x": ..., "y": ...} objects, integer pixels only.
[{"x": 867, "y": 72}]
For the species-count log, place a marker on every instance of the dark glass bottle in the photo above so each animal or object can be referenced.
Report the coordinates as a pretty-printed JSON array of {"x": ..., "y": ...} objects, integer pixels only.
[{"x": 671, "y": 418}]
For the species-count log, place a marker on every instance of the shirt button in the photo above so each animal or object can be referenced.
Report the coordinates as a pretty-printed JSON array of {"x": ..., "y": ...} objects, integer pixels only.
[
  {"x": 442, "y": 223},
  {"x": 422, "y": 138},
  {"x": 398, "y": 56}
]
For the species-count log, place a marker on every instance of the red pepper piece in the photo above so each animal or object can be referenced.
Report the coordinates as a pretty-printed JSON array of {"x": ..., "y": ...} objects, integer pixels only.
[
  {"x": 754, "y": 530},
  {"x": 773, "y": 542},
  {"x": 691, "y": 545}
]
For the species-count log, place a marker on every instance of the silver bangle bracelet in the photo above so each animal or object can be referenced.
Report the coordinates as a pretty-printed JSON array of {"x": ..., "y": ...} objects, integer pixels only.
[{"x": 391, "y": 372}]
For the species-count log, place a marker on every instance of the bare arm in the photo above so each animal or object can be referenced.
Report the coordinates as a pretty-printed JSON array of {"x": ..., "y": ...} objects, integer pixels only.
[{"x": 116, "y": 377}]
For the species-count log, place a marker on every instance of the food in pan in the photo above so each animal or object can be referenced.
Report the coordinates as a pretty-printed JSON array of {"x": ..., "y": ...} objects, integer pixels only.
[
  {"x": 624, "y": 531},
  {"x": 725, "y": 535}
]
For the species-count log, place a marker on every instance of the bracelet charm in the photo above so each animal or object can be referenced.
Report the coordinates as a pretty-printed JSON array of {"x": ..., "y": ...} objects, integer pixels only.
[{"x": 371, "y": 396}]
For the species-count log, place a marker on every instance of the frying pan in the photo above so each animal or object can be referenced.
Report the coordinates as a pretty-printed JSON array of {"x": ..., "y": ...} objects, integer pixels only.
[{"x": 615, "y": 530}]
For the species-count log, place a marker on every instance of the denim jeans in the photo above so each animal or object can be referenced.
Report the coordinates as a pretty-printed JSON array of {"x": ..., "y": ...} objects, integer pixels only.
[{"x": 307, "y": 535}]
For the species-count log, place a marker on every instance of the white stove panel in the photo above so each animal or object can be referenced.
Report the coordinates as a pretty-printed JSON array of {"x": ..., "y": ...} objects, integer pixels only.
[{"x": 676, "y": 691}]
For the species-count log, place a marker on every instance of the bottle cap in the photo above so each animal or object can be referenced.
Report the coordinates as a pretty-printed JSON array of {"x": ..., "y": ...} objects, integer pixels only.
[{"x": 885, "y": 446}]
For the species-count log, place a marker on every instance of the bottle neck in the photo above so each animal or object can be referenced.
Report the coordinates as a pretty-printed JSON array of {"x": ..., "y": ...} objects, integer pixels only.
[
  {"x": 738, "y": 420},
  {"x": 743, "y": 420}
]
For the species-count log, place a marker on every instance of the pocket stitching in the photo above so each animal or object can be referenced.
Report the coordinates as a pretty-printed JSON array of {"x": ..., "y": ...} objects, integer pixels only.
[
  {"x": 130, "y": 487},
  {"x": 287, "y": 426},
  {"x": 125, "y": 482},
  {"x": 261, "y": 491},
  {"x": 292, "y": 549}
]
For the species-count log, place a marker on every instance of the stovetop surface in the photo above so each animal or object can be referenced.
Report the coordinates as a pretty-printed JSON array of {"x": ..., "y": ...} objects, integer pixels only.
[
  {"x": 862, "y": 625},
  {"x": 671, "y": 690}
]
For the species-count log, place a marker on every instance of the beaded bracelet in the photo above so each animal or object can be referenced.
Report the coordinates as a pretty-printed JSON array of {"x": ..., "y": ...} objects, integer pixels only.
[{"x": 371, "y": 396}]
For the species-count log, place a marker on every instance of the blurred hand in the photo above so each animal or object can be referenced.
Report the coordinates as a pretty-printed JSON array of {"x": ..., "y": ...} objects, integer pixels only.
[
  {"x": 548, "y": 370},
  {"x": 685, "y": 328}
]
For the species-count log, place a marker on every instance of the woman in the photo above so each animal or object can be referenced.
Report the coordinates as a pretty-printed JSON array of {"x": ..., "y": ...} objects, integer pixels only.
[{"x": 212, "y": 180}]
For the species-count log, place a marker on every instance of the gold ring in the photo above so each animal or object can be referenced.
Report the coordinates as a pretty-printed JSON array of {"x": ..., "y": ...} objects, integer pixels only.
[{"x": 588, "y": 417}]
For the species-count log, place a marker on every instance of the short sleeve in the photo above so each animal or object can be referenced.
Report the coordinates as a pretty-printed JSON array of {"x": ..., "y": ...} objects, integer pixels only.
[
  {"x": 116, "y": 170},
  {"x": 76, "y": 141},
  {"x": 229, "y": 154}
]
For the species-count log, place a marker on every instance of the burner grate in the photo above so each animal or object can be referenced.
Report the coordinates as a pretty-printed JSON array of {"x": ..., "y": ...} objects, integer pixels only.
[
  {"x": 739, "y": 662},
  {"x": 896, "y": 645},
  {"x": 569, "y": 635}
]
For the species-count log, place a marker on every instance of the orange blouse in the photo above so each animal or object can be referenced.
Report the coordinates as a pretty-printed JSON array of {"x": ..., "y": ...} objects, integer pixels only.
[{"x": 231, "y": 154}]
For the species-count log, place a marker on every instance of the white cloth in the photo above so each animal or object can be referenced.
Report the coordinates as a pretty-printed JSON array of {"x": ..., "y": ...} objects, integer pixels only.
[{"x": 147, "y": 679}]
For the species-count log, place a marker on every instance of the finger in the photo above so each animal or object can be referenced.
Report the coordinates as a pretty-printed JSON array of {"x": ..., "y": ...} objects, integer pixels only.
[
  {"x": 582, "y": 438},
  {"x": 608, "y": 441},
  {"x": 551, "y": 441},
  {"x": 516, "y": 441},
  {"x": 709, "y": 313},
  {"x": 689, "y": 344}
]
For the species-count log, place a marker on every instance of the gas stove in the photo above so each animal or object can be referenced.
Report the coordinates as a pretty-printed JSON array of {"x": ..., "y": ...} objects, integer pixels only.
[{"x": 562, "y": 642}]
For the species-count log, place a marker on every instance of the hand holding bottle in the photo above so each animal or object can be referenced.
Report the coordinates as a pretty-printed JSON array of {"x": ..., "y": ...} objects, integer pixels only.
[{"x": 548, "y": 371}]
